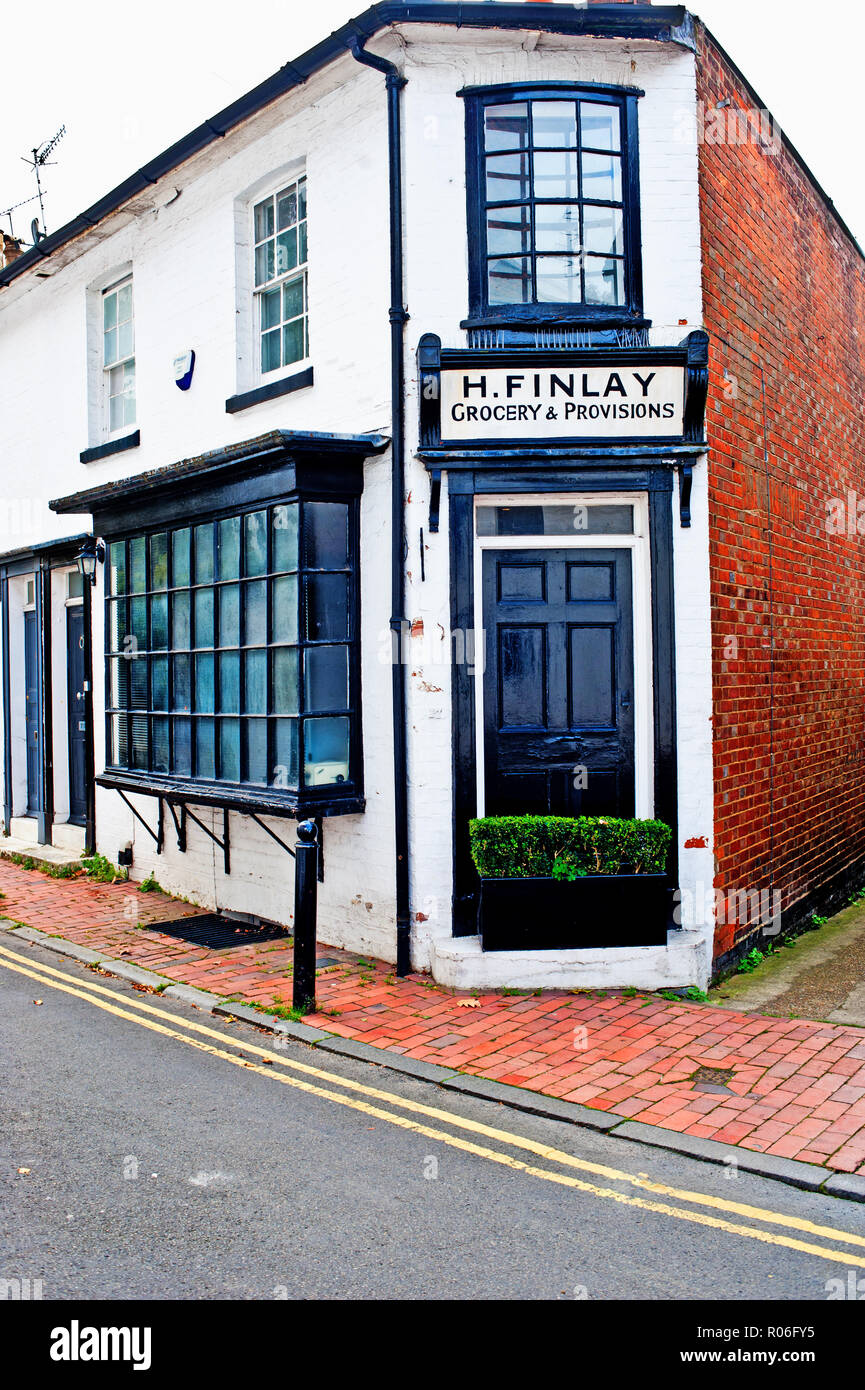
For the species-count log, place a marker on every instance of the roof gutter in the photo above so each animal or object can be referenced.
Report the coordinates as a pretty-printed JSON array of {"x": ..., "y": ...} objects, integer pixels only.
[
  {"x": 664, "y": 23},
  {"x": 398, "y": 315}
]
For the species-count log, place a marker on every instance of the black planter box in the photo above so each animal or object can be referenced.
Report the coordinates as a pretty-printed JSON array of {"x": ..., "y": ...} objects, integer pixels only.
[{"x": 522, "y": 914}]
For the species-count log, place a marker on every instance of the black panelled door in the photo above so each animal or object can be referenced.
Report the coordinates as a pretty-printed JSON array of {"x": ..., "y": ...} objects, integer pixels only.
[
  {"x": 558, "y": 682},
  {"x": 31, "y": 710}
]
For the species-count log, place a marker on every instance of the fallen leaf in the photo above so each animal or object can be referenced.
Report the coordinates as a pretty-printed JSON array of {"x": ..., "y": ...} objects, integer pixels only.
[
  {"x": 37, "y": 1001},
  {"x": 468, "y": 1003},
  {"x": 23, "y": 1170}
]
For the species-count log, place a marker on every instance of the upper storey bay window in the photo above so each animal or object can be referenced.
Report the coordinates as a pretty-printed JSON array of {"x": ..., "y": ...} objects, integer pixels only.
[
  {"x": 118, "y": 356},
  {"x": 553, "y": 206},
  {"x": 280, "y": 242}
]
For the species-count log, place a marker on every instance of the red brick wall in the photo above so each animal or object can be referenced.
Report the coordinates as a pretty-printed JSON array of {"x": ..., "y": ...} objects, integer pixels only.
[{"x": 784, "y": 290}]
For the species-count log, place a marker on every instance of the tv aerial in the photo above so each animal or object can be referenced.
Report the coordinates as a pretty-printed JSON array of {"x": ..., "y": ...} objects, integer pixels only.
[{"x": 40, "y": 158}]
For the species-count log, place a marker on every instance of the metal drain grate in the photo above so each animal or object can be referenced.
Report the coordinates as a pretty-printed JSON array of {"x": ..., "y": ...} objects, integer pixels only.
[{"x": 217, "y": 933}]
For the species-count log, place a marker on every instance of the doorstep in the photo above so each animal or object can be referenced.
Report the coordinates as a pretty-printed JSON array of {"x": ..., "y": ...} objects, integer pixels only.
[{"x": 56, "y": 854}]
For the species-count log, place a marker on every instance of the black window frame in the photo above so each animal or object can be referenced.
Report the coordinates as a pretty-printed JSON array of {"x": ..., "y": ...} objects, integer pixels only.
[
  {"x": 483, "y": 314},
  {"x": 293, "y": 800}
]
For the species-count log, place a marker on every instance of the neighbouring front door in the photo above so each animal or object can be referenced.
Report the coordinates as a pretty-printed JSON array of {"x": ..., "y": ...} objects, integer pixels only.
[
  {"x": 75, "y": 677},
  {"x": 31, "y": 710},
  {"x": 558, "y": 684}
]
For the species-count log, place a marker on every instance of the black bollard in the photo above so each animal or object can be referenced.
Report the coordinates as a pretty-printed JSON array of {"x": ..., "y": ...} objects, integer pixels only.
[{"x": 305, "y": 895}]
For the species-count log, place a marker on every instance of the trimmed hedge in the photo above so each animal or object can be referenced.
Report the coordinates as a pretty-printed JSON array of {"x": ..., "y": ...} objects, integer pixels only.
[{"x": 567, "y": 848}]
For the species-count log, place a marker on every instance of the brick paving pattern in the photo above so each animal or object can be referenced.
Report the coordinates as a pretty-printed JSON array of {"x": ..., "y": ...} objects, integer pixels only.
[{"x": 797, "y": 1089}]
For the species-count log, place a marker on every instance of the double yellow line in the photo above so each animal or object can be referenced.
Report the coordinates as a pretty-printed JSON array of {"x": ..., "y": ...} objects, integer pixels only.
[{"x": 368, "y": 1100}]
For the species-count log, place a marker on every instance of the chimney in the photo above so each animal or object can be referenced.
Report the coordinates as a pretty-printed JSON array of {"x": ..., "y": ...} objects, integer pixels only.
[{"x": 10, "y": 250}]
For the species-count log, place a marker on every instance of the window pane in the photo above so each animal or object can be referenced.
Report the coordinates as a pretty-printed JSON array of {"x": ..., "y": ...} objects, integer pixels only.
[
  {"x": 284, "y": 771},
  {"x": 326, "y": 749},
  {"x": 159, "y": 682},
  {"x": 284, "y": 537},
  {"x": 109, "y": 310},
  {"x": 180, "y": 621},
  {"x": 204, "y": 617},
  {"x": 138, "y": 623},
  {"x": 605, "y": 281},
  {"x": 510, "y": 282},
  {"x": 159, "y": 622},
  {"x": 181, "y": 761},
  {"x": 602, "y": 177},
  {"x": 228, "y": 547},
  {"x": 286, "y": 689},
  {"x": 255, "y": 682},
  {"x": 204, "y": 689},
  {"x": 125, "y": 340},
  {"x": 286, "y": 209},
  {"x": 118, "y": 683},
  {"x": 229, "y": 615},
  {"x": 109, "y": 347},
  {"x": 119, "y": 754},
  {"x": 292, "y": 298},
  {"x": 229, "y": 682},
  {"x": 159, "y": 561},
  {"x": 117, "y": 567},
  {"x": 602, "y": 230},
  {"x": 255, "y": 543},
  {"x": 139, "y": 742},
  {"x": 270, "y": 315},
  {"x": 117, "y": 625},
  {"x": 124, "y": 303},
  {"x": 326, "y": 607},
  {"x": 286, "y": 251},
  {"x": 229, "y": 750},
  {"x": 160, "y": 745},
  {"x": 599, "y": 126},
  {"x": 556, "y": 174},
  {"x": 326, "y": 535},
  {"x": 325, "y": 678},
  {"x": 180, "y": 557},
  {"x": 557, "y": 226},
  {"x": 294, "y": 342},
  {"x": 302, "y": 251},
  {"x": 204, "y": 554},
  {"x": 180, "y": 683},
  {"x": 138, "y": 576},
  {"x": 509, "y": 231},
  {"x": 255, "y": 750},
  {"x": 506, "y": 127},
  {"x": 270, "y": 346},
  {"x": 264, "y": 219},
  {"x": 301, "y": 198},
  {"x": 554, "y": 123},
  {"x": 138, "y": 684},
  {"x": 507, "y": 177},
  {"x": 255, "y": 613},
  {"x": 285, "y": 609},
  {"x": 558, "y": 279},
  {"x": 264, "y": 263},
  {"x": 115, "y": 413},
  {"x": 205, "y": 751},
  {"x": 556, "y": 520}
]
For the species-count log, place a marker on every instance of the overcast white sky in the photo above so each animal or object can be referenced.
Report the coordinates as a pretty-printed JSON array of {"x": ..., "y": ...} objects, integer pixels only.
[{"x": 127, "y": 81}]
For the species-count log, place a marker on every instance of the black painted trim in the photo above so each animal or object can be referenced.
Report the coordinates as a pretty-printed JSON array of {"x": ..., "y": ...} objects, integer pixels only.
[
  {"x": 45, "y": 807},
  {"x": 89, "y": 727},
  {"x": 656, "y": 479},
  {"x": 283, "y": 387},
  {"x": 114, "y": 446},
  {"x": 176, "y": 792}
]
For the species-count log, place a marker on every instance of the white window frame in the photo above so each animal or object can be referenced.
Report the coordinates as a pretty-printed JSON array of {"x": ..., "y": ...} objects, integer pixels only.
[
  {"x": 299, "y": 271},
  {"x": 119, "y": 362},
  {"x": 641, "y": 578}
]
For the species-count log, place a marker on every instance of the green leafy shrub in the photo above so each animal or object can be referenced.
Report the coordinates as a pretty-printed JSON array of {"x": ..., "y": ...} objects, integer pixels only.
[
  {"x": 98, "y": 867},
  {"x": 567, "y": 848},
  {"x": 150, "y": 885}
]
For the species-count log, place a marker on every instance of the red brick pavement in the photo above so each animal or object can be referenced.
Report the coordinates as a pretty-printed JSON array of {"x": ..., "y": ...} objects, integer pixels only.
[{"x": 798, "y": 1087}]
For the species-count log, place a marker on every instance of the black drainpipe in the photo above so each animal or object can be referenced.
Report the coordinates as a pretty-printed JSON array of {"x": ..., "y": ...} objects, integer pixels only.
[{"x": 394, "y": 82}]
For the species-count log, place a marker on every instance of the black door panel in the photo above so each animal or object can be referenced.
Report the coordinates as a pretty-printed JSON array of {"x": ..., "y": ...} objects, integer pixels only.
[
  {"x": 558, "y": 683},
  {"x": 75, "y": 675}
]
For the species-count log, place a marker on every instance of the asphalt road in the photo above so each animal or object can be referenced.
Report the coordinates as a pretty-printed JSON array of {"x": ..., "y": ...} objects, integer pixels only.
[{"x": 156, "y": 1169}]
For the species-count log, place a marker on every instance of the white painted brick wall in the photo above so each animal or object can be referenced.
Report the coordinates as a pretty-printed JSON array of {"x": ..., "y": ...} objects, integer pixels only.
[{"x": 183, "y": 253}]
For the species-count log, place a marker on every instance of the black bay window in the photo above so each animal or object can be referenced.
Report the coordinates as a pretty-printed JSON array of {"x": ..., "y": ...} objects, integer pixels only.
[
  {"x": 232, "y": 652},
  {"x": 553, "y": 206}
]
